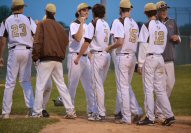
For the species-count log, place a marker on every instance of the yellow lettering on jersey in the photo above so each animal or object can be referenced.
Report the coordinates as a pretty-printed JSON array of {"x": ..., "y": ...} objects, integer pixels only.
[
  {"x": 106, "y": 35},
  {"x": 159, "y": 38},
  {"x": 133, "y": 35},
  {"x": 15, "y": 30}
]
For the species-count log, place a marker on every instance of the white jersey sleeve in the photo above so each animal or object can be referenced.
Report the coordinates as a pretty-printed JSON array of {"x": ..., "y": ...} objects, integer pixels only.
[
  {"x": 118, "y": 29},
  {"x": 73, "y": 29},
  {"x": 144, "y": 34},
  {"x": 142, "y": 53},
  {"x": 2, "y": 29},
  {"x": 89, "y": 34},
  {"x": 33, "y": 26}
]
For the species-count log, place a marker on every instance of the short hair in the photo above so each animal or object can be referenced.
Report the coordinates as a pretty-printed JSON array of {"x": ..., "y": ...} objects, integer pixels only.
[
  {"x": 124, "y": 9},
  {"x": 98, "y": 10},
  {"x": 77, "y": 15},
  {"x": 151, "y": 13},
  {"x": 16, "y": 8},
  {"x": 50, "y": 15}
]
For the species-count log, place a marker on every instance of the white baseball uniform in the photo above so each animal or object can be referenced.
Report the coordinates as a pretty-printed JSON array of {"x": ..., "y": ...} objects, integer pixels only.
[
  {"x": 18, "y": 29},
  {"x": 98, "y": 36},
  {"x": 82, "y": 71},
  {"x": 155, "y": 34},
  {"x": 125, "y": 65},
  {"x": 134, "y": 106}
]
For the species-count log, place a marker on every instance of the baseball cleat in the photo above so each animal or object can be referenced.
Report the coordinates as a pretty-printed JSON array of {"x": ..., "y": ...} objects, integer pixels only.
[
  {"x": 29, "y": 113},
  {"x": 146, "y": 121},
  {"x": 136, "y": 118},
  {"x": 169, "y": 121},
  {"x": 5, "y": 116},
  {"x": 45, "y": 113},
  {"x": 70, "y": 116},
  {"x": 36, "y": 116},
  {"x": 118, "y": 116},
  {"x": 121, "y": 121}
]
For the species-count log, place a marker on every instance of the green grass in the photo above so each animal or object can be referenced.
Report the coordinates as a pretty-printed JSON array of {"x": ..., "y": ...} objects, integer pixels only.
[{"x": 180, "y": 100}]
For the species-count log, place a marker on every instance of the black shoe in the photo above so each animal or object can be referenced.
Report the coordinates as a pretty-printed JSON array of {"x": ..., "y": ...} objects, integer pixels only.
[
  {"x": 169, "y": 121},
  {"x": 146, "y": 121},
  {"x": 118, "y": 116},
  {"x": 45, "y": 113}
]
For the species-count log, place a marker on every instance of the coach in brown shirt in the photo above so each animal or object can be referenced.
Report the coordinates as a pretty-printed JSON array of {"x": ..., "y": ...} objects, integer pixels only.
[{"x": 49, "y": 49}]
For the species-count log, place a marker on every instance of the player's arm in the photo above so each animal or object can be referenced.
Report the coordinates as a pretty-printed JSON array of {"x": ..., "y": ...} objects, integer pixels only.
[
  {"x": 176, "y": 37},
  {"x": 3, "y": 42},
  {"x": 89, "y": 33},
  {"x": 38, "y": 41},
  {"x": 79, "y": 34},
  {"x": 119, "y": 42},
  {"x": 143, "y": 36},
  {"x": 118, "y": 33}
]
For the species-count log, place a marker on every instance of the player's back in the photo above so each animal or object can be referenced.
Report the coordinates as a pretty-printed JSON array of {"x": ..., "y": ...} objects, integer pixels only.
[
  {"x": 19, "y": 30},
  {"x": 131, "y": 36},
  {"x": 101, "y": 37},
  {"x": 157, "y": 37}
]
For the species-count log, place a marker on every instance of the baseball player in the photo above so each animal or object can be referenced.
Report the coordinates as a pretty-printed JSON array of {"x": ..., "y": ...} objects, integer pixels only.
[
  {"x": 50, "y": 44},
  {"x": 97, "y": 38},
  {"x": 82, "y": 71},
  {"x": 19, "y": 30},
  {"x": 125, "y": 31},
  {"x": 173, "y": 39},
  {"x": 155, "y": 34}
]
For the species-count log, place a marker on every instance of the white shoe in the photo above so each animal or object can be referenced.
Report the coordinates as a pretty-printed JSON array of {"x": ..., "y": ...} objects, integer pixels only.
[
  {"x": 36, "y": 115},
  {"x": 5, "y": 116}
]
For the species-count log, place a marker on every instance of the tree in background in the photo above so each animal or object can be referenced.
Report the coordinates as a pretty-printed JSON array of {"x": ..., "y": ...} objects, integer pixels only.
[{"x": 5, "y": 11}]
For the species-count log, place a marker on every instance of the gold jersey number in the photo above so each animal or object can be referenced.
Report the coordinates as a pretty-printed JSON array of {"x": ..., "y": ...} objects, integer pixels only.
[
  {"x": 133, "y": 35},
  {"x": 15, "y": 30},
  {"x": 159, "y": 38},
  {"x": 106, "y": 35}
]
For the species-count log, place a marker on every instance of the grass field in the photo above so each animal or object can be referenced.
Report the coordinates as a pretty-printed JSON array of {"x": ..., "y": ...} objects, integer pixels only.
[{"x": 180, "y": 101}]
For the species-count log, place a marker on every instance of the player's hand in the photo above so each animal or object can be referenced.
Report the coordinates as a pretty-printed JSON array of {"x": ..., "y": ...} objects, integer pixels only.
[
  {"x": 1, "y": 62},
  {"x": 37, "y": 21},
  {"x": 140, "y": 70},
  {"x": 36, "y": 63},
  {"x": 76, "y": 61},
  {"x": 174, "y": 38},
  {"x": 108, "y": 50},
  {"x": 82, "y": 20}
]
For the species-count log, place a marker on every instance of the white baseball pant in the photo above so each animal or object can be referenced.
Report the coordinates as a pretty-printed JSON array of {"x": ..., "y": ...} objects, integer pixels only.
[
  {"x": 82, "y": 72},
  {"x": 19, "y": 62},
  {"x": 100, "y": 66},
  {"x": 125, "y": 65},
  {"x": 154, "y": 81},
  {"x": 46, "y": 70},
  {"x": 170, "y": 81}
]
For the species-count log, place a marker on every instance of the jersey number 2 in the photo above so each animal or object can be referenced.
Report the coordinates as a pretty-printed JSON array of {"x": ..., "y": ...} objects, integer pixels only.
[
  {"x": 106, "y": 35},
  {"x": 15, "y": 30},
  {"x": 159, "y": 38},
  {"x": 133, "y": 35}
]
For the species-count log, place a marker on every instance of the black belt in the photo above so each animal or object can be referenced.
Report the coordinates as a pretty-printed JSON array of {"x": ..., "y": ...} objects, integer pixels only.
[
  {"x": 94, "y": 51},
  {"x": 122, "y": 53},
  {"x": 27, "y": 47},
  {"x": 82, "y": 55},
  {"x": 149, "y": 54}
]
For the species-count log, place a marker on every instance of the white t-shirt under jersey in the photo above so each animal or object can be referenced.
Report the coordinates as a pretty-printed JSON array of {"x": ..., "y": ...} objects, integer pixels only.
[
  {"x": 129, "y": 31},
  {"x": 18, "y": 29},
  {"x": 99, "y": 35},
  {"x": 155, "y": 33},
  {"x": 75, "y": 46}
]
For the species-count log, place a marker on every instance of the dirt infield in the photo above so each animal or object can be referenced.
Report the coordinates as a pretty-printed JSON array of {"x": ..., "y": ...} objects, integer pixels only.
[{"x": 81, "y": 125}]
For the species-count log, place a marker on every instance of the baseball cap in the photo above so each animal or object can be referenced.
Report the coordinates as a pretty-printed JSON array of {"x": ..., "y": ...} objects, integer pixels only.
[
  {"x": 150, "y": 7},
  {"x": 82, "y": 6},
  {"x": 161, "y": 5},
  {"x": 18, "y": 3},
  {"x": 125, "y": 4},
  {"x": 51, "y": 7}
]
